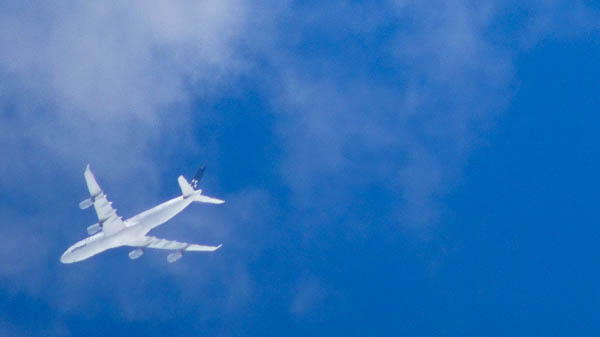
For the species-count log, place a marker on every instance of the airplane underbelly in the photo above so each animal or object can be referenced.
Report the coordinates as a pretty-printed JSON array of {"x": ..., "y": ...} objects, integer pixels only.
[
  {"x": 82, "y": 252},
  {"x": 90, "y": 251},
  {"x": 163, "y": 213}
]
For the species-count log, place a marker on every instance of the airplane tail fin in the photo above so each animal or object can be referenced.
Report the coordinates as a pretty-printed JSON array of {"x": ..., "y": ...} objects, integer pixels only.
[
  {"x": 188, "y": 191},
  {"x": 198, "y": 177}
]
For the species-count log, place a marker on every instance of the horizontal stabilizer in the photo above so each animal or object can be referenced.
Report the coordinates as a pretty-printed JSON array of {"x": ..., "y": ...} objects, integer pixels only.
[{"x": 208, "y": 200}]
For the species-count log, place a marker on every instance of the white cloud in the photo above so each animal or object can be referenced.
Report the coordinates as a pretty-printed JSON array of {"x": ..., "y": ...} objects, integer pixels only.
[
  {"x": 104, "y": 82},
  {"x": 113, "y": 83}
]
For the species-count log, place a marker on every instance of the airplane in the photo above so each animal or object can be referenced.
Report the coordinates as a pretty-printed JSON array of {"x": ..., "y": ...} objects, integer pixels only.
[{"x": 111, "y": 231}]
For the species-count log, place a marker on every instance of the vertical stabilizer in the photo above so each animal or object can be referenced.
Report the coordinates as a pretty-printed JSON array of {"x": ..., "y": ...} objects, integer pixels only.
[
  {"x": 186, "y": 188},
  {"x": 198, "y": 177}
]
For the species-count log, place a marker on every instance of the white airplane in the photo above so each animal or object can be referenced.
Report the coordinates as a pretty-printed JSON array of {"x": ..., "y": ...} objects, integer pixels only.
[{"x": 111, "y": 231}]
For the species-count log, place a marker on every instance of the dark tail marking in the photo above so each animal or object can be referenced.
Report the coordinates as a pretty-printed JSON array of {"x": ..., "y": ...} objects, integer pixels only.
[{"x": 198, "y": 177}]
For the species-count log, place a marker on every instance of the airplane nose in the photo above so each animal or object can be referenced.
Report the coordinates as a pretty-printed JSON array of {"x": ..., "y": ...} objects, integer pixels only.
[{"x": 65, "y": 258}]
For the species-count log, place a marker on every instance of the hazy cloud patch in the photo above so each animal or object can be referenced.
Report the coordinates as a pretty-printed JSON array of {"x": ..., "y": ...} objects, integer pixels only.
[
  {"x": 368, "y": 101},
  {"x": 307, "y": 295}
]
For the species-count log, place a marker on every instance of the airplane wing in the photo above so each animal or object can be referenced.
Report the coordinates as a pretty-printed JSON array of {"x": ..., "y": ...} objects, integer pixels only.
[
  {"x": 108, "y": 219},
  {"x": 156, "y": 243}
]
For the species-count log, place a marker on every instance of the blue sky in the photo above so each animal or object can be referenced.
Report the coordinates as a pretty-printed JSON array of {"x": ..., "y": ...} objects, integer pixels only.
[{"x": 392, "y": 168}]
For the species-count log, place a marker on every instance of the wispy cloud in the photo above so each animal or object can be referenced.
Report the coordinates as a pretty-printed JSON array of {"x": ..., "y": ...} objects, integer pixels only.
[
  {"x": 108, "y": 84},
  {"x": 106, "y": 81},
  {"x": 408, "y": 130},
  {"x": 307, "y": 295},
  {"x": 447, "y": 73},
  {"x": 368, "y": 101}
]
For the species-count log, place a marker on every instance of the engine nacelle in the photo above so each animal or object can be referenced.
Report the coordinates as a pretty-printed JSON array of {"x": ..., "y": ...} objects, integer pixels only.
[
  {"x": 134, "y": 254},
  {"x": 93, "y": 229},
  {"x": 174, "y": 256},
  {"x": 86, "y": 203}
]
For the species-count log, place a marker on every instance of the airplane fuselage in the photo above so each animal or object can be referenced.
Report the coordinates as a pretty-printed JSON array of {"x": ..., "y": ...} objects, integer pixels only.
[{"x": 132, "y": 235}]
